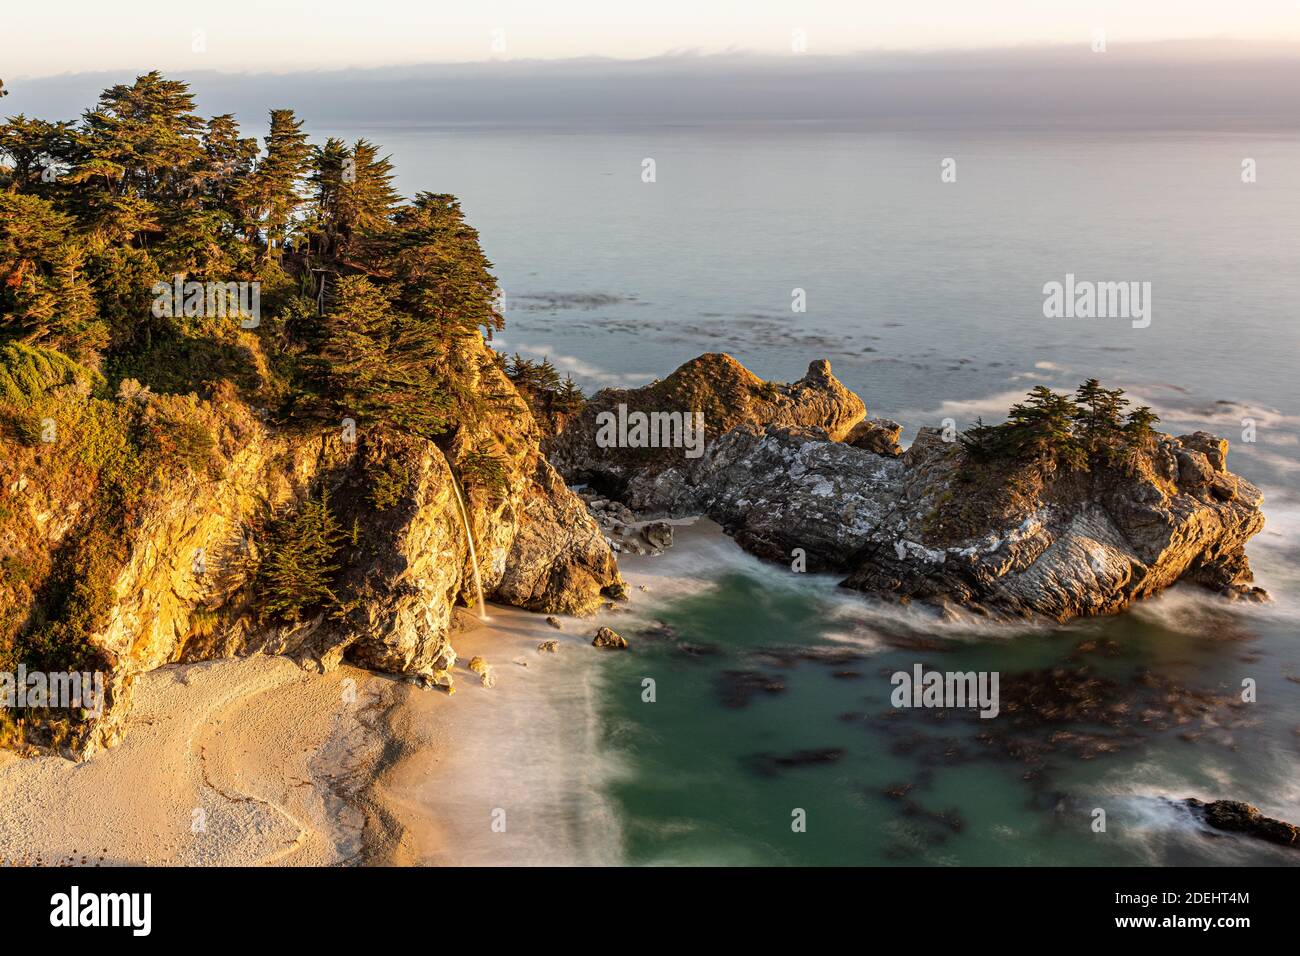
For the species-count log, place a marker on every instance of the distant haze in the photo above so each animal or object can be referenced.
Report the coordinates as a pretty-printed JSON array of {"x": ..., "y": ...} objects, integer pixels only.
[
  {"x": 42, "y": 39},
  {"x": 1170, "y": 84}
]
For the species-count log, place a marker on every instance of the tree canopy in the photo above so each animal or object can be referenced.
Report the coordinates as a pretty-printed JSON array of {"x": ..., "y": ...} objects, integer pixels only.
[
  {"x": 365, "y": 295},
  {"x": 1050, "y": 430}
]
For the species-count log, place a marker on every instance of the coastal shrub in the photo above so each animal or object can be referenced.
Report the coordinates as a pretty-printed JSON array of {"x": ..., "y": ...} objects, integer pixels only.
[
  {"x": 75, "y": 603},
  {"x": 176, "y": 431},
  {"x": 28, "y": 373},
  {"x": 388, "y": 483},
  {"x": 177, "y": 363},
  {"x": 298, "y": 570},
  {"x": 27, "y": 428},
  {"x": 485, "y": 472}
]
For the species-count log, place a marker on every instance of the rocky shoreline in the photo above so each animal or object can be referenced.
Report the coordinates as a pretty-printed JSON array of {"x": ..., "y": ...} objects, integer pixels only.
[{"x": 796, "y": 473}]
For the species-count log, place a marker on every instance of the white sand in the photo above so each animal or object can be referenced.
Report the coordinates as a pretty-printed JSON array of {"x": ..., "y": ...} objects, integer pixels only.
[{"x": 240, "y": 751}]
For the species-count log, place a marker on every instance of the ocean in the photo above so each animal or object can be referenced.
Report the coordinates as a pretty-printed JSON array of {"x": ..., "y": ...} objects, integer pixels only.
[{"x": 772, "y": 689}]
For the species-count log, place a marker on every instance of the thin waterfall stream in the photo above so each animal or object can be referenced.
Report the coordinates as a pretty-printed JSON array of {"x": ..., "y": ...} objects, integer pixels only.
[{"x": 473, "y": 555}]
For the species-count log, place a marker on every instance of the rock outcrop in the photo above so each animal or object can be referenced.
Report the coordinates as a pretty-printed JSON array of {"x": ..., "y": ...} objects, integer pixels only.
[
  {"x": 609, "y": 639},
  {"x": 879, "y": 435},
  {"x": 816, "y": 482},
  {"x": 1237, "y": 817},
  {"x": 724, "y": 392}
]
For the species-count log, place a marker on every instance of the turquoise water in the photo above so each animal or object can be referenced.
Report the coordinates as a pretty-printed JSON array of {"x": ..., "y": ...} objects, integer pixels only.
[
  {"x": 706, "y": 783},
  {"x": 927, "y": 300}
]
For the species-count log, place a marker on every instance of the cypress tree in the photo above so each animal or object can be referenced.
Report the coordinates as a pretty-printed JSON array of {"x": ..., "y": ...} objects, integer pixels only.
[
  {"x": 1041, "y": 430},
  {"x": 272, "y": 192},
  {"x": 1099, "y": 415}
]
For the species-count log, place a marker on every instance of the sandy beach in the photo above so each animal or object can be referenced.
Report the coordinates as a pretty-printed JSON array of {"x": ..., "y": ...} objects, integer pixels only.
[
  {"x": 255, "y": 761},
  {"x": 232, "y": 762}
]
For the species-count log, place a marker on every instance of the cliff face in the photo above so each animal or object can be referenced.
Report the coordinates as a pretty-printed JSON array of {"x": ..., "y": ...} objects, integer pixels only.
[
  {"x": 186, "y": 587},
  {"x": 926, "y": 525}
]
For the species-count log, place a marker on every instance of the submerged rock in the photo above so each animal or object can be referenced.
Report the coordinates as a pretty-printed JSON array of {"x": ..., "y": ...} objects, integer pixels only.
[
  {"x": 769, "y": 765},
  {"x": 737, "y": 688}
]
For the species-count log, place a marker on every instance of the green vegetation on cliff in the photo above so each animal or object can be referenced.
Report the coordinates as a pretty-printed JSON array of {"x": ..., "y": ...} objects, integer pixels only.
[{"x": 352, "y": 306}]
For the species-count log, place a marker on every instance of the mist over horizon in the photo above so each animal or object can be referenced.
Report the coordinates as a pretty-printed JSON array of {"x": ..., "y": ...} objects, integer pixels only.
[{"x": 1163, "y": 85}]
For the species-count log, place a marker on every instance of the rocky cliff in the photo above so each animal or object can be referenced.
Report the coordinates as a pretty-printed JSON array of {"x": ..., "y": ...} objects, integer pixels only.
[
  {"x": 798, "y": 472},
  {"x": 181, "y": 579}
]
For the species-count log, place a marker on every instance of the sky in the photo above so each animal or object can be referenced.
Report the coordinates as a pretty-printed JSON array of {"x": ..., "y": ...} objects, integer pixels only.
[{"x": 73, "y": 36}]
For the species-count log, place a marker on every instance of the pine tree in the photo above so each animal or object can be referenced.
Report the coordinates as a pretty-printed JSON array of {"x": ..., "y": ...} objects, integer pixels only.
[
  {"x": 34, "y": 146},
  {"x": 354, "y": 198},
  {"x": 229, "y": 160},
  {"x": 379, "y": 363},
  {"x": 367, "y": 199},
  {"x": 137, "y": 151},
  {"x": 569, "y": 397},
  {"x": 1099, "y": 416},
  {"x": 547, "y": 377},
  {"x": 44, "y": 297},
  {"x": 329, "y": 163},
  {"x": 523, "y": 372},
  {"x": 1140, "y": 425},
  {"x": 982, "y": 442}
]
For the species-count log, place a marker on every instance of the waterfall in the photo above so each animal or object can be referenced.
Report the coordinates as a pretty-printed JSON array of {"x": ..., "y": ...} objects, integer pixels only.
[{"x": 473, "y": 556}]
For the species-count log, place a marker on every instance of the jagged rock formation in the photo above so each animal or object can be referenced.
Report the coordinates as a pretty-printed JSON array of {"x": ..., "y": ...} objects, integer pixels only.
[
  {"x": 925, "y": 524},
  {"x": 186, "y": 590},
  {"x": 724, "y": 391}
]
